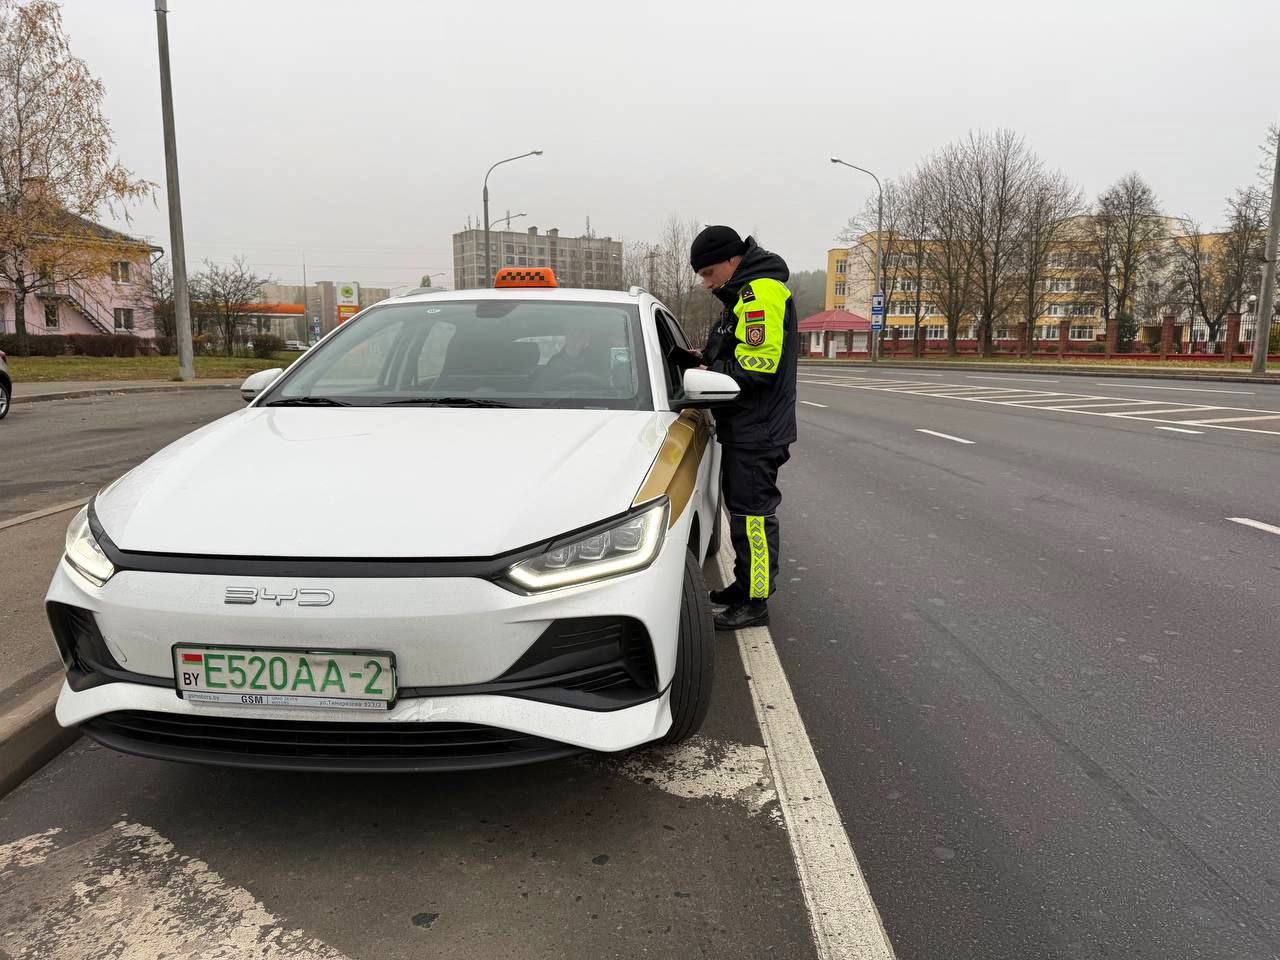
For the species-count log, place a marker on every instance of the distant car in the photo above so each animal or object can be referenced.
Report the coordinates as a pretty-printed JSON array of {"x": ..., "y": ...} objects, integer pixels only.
[
  {"x": 6, "y": 387},
  {"x": 507, "y": 497},
  {"x": 295, "y": 345}
]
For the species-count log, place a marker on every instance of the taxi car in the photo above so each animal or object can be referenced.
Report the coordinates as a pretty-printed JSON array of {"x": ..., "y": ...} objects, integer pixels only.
[{"x": 465, "y": 529}]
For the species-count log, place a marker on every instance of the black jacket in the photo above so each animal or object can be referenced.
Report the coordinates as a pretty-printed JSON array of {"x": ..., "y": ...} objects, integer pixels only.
[{"x": 755, "y": 342}]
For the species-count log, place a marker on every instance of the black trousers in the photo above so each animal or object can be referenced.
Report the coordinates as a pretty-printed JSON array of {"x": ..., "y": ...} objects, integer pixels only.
[{"x": 749, "y": 479}]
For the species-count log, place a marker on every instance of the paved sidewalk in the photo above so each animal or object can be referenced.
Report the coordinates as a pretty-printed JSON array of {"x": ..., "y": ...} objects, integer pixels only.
[{"x": 68, "y": 389}]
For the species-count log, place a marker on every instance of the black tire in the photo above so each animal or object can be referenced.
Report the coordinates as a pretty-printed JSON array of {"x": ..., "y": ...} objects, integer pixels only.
[
  {"x": 695, "y": 656},
  {"x": 6, "y": 398}
]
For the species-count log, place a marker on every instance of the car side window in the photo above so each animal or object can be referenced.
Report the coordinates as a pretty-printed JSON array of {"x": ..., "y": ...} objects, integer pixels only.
[{"x": 670, "y": 336}]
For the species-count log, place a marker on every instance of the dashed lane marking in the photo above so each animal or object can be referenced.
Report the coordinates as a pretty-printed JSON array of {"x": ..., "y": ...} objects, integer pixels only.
[
  {"x": 810, "y": 403},
  {"x": 1085, "y": 405},
  {"x": 1198, "y": 433},
  {"x": 944, "y": 436},
  {"x": 842, "y": 915},
  {"x": 974, "y": 376},
  {"x": 1256, "y": 524},
  {"x": 1138, "y": 386},
  {"x": 45, "y": 512}
]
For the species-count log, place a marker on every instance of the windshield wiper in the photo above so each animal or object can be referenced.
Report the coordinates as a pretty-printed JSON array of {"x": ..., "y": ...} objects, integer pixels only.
[
  {"x": 446, "y": 402},
  {"x": 307, "y": 402}
]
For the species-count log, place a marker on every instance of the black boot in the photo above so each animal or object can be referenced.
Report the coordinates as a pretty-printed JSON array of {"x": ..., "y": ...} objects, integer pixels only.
[
  {"x": 728, "y": 596},
  {"x": 749, "y": 613}
]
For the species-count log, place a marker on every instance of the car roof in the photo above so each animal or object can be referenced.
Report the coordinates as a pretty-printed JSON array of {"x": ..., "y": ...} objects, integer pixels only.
[{"x": 578, "y": 294}]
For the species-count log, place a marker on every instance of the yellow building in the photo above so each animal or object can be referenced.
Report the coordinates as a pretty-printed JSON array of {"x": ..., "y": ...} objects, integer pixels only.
[{"x": 837, "y": 278}]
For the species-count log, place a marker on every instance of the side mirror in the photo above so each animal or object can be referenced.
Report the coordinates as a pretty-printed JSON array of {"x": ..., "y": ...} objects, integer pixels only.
[
  {"x": 706, "y": 388},
  {"x": 257, "y": 382}
]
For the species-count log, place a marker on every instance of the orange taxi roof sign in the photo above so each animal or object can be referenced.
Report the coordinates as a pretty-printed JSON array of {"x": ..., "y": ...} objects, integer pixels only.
[{"x": 525, "y": 277}]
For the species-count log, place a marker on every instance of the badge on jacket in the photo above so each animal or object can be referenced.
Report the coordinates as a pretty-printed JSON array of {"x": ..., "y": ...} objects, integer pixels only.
[{"x": 755, "y": 334}]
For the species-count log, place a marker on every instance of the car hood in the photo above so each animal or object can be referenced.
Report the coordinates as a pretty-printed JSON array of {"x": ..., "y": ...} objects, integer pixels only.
[{"x": 369, "y": 482}]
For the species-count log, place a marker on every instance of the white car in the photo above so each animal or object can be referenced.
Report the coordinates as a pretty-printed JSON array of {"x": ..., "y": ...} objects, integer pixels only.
[{"x": 498, "y": 507}]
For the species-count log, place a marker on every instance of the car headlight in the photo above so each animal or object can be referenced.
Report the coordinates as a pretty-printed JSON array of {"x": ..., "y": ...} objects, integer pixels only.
[
  {"x": 630, "y": 544},
  {"x": 84, "y": 553}
]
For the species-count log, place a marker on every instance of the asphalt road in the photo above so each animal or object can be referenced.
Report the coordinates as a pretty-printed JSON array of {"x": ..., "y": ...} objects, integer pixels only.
[{"x": 1038, "y": 668}]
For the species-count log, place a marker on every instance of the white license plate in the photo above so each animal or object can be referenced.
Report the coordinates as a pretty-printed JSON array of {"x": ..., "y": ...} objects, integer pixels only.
[{"x": 352, "y": 680}]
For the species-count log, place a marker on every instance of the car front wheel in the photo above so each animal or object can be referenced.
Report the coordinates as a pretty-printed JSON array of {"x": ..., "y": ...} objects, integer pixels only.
[
  {"x": 6, "y": 394},
  {"x": 695, "y": 657}
]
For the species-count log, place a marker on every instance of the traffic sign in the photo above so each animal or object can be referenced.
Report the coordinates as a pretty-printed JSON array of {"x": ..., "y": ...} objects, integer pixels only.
[
  {"x": 877, "y": 305},
  {"x": 877, "y": 326}
]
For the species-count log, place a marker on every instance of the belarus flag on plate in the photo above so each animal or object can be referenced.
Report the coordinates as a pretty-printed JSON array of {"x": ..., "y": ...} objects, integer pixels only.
[{"x": 193, "y": 658}]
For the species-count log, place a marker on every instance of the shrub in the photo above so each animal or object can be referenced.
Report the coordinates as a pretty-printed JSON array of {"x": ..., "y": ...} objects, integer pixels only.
[
  {"x": 1095, "y": 347},
  {"x": 124, "y": 345},
  {"x": 266, "y": 345},
  {"x": 91, "y": 344},
  {"x": 38, "y": 345},
  {"x": 164, "y": 346}
]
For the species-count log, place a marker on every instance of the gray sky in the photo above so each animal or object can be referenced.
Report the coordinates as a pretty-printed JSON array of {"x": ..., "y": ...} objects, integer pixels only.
[{"x": 357, "y": 134}]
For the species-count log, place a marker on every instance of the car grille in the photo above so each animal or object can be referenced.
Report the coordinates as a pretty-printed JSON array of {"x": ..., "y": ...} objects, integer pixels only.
[{"x": 318, "y": 745}]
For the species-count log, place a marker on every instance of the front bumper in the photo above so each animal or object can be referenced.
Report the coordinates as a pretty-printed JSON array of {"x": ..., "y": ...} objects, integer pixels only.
[{"x": 453, "y": 639}]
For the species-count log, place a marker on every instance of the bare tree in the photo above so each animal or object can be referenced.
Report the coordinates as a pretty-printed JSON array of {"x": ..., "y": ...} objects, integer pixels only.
[
  {"x": 860, "y": 234},
  {"x": 1126, "y": 233},
  {"x": 949, "y": 256},
  {"x": 158, "y": 294},
  {"x": 56, "y": 164},
  {"x": 998, "y": 174},
  {"x": 1213, "y": 272},
  {"x": 914, "y": 246},
  {"x": 1053, "y": 202},
  {"x": 808, "y": 291},
  {"x": 224, "y": 294}
]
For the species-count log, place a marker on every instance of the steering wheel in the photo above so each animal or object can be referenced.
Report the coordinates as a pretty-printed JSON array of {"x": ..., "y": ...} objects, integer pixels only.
[{"x": 581, "y": 380}]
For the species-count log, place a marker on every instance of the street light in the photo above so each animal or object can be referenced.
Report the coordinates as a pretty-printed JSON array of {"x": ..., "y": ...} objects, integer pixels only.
[
  {"x": 508, "y": 218},
  {"x": 488, "y": 267},
  {"x": 875, "y": 340}
]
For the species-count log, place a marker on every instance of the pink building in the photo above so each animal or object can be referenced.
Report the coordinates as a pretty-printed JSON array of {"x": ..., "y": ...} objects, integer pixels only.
[{"x": 118, "y": 302}]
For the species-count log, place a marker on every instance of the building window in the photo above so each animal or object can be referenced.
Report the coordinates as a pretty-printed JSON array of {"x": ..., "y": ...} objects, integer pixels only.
[
  {"x": 936, "y": 331},
  {"x": 1082, "y": 333},
  {"x": 1002, "y": 333},
  {"x": 120, "y": 271},
  {"x": 815, "y": 340},
  {"x": 842, "y": 267},
  {"x": 839, "y": 288},
  {"x": 124, "y": 318},
  {"x": 51, "y": 316},
  {"x": 1047, "y": 331}
]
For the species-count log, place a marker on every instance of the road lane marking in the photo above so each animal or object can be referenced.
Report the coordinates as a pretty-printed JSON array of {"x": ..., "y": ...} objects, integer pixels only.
[
  {"x": 974, "y": 376},
  {"x": 944, "y": 436},
  {"x": 842, "y": 915},
  {"x": 1256, "y": 524},
  {"x": 128, "y": 888},
  {"x": 1270, "y": 416},
  {"x": 810, "y": 403},
  {"x": 1182, "y": 409},
  {"x": 1135, "y": 386},
  {"x": 1078, "y": 404},
  {"x": 1198, "y": 433},
  {"x": 46, "y": 512}
]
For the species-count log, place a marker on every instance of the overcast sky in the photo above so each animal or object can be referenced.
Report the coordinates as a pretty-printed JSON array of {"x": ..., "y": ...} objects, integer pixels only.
[{"x": 356, "y": 135}]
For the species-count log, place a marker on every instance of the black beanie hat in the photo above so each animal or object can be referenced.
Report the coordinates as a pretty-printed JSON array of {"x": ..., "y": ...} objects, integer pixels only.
[{"x": 715, "y": 245}]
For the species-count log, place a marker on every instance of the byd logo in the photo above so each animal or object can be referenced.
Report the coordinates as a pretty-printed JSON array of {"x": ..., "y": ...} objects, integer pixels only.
[{"x": 305, "y": 597}]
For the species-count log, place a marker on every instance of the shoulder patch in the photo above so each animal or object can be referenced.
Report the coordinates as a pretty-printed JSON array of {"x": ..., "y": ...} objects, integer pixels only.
[
  {"x": 755, "y": 334},
  {"x": 748, "y": 294}
]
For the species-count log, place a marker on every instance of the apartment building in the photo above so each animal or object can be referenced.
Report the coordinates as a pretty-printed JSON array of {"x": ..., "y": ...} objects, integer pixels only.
[{"x": 588, "y": 261}]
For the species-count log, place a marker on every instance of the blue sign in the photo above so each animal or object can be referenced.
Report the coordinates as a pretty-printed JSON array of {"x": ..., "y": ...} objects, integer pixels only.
[{"x": 877, "y": 325}]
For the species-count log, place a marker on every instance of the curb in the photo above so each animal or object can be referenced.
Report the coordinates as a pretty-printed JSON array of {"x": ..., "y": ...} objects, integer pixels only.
[
  {"x": 30, "y": 736},
  {"x": 1029, "y": 369},
  {"x": 112, "y": 391}
]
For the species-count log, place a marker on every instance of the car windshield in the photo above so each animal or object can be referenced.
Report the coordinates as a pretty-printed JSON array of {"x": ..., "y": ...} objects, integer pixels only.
[{"x": 477, "y": 353}]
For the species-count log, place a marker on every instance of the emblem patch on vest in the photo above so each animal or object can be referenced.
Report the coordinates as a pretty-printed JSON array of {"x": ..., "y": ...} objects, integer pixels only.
[{"x": 755, "y": 334}]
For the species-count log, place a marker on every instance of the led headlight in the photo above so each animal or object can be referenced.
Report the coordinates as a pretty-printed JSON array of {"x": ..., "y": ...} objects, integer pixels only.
[
  {"x": 83, "y": 551},
  {"x": 629, "y": 545}
]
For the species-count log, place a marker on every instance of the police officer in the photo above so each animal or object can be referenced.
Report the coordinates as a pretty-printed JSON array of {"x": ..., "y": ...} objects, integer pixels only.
[{"x": 754, "y": 342}]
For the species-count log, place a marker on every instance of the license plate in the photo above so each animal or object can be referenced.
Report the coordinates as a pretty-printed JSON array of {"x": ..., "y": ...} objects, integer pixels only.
[{"x": 345, "y": 679}]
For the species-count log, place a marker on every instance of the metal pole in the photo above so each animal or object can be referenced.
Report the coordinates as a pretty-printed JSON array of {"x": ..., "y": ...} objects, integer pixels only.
[
  {"x": 488, "y": 267},
  {"x": 1266, "y": 297},
  {"x": 875, "y": 334},
  {"x": 181, "y": 296}
]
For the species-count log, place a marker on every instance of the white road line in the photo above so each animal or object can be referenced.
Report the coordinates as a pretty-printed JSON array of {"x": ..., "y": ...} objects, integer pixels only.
[
  {"x": 944, "y": 436},
  {"x": 1198, "y": 433},
  {"x": 1135, "y": 386},
  {"x": 1270, "y": 416},
  {"x": 1256, "y": 524},
  {"x": 46, "y": 512},
  {"x": 1182, "y": 409},
  {"x": 842, "y": 915},
  {"x": 810, "y": 403},
  {"x": 974, "y": 376}
]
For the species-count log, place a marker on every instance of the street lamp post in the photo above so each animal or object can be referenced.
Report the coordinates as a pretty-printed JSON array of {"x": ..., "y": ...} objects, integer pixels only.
[
  {"x": 488, "y": 265},
  {"x": 508, "y": 218},
  {"x": 875, "y": 340},
  {"x": 1262, "y": 325}
]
